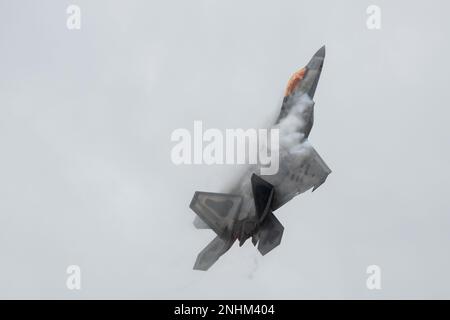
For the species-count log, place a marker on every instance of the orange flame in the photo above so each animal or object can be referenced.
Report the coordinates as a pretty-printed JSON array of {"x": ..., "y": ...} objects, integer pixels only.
[{"x": 294, "y": 80}]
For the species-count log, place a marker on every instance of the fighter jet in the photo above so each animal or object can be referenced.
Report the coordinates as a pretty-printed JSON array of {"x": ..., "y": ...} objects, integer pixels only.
[{"x": 247, "y": 209}]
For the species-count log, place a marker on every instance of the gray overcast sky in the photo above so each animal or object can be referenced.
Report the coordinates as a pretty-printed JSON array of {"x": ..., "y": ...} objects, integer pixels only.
[{"x": 85, "y": 124}]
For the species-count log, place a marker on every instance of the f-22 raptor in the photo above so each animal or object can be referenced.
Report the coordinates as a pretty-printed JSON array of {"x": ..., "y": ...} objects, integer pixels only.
[{"x": 247, "y": 210}]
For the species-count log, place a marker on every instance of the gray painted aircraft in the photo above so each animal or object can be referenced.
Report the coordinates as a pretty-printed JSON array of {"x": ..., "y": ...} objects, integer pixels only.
[{"x": 247, "y": 210}]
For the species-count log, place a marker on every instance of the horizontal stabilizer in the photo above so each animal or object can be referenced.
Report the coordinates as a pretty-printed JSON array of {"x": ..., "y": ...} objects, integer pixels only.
[{"x": 211, "y": 253}]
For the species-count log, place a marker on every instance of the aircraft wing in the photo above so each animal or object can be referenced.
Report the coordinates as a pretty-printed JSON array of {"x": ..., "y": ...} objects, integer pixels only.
[
  {"x": 217, "y": 210},
  {"x": 305, "y": 170}
]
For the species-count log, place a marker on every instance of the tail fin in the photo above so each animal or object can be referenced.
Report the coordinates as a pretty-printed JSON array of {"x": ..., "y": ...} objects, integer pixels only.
[{"x": 263, "y": 193}]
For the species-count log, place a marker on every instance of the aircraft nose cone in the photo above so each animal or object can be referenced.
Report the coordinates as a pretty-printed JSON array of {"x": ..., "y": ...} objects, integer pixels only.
[
  {"x": 320, "y": 53},
  {"x": 316, "y": 61}
]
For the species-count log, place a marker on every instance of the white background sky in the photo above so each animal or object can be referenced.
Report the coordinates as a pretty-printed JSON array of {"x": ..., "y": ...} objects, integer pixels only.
[{"x": 85, "y": 124}]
